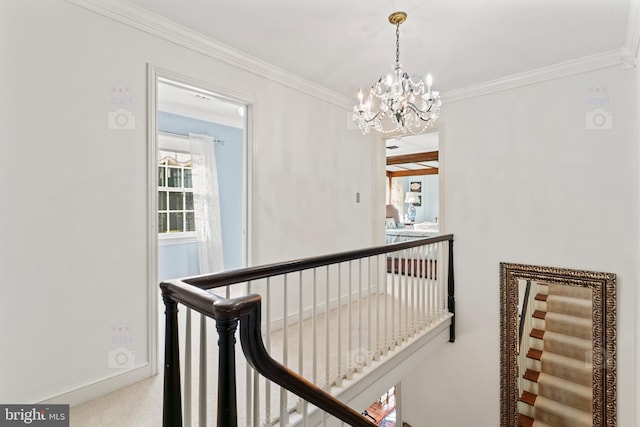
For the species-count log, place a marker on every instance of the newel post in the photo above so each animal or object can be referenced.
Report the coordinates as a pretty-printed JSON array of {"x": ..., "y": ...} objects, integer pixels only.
[
  {"x": 172, "y": 400},
  {"x": 227, "y": 405},
  {"x": 451, "y": 303}
]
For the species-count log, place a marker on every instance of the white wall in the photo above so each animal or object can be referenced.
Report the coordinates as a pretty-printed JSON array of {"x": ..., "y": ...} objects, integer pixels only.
[
  {"x": 74, "y": 244},
  {"x": 525, "y": 182}
]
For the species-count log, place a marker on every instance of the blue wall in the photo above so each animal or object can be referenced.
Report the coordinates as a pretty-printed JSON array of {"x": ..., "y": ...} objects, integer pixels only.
[
  {"x": 179, "y": 260},
  {"x": 429, "y": 209}
]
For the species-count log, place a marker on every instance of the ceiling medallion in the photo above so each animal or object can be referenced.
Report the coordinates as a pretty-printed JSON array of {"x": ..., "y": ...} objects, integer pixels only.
[{"x": 397, "y": 102}]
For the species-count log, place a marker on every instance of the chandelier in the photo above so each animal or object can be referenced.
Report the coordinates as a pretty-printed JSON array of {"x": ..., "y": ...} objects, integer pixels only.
[{"x": 398, "y": 102}]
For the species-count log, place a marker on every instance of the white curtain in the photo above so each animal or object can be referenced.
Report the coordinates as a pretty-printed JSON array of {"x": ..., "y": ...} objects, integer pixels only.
[
  {"x": 397, "y": 198},
  {"x": 206, "y": 201}
]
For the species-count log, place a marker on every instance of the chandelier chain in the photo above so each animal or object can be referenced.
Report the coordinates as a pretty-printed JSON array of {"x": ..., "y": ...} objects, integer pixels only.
[{"x": 397, "y": 44}]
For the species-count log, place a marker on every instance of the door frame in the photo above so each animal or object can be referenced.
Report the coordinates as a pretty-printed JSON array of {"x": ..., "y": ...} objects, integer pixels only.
[
  {"x": 154, "y": 75},
  {"x": 381, "y": 178}
]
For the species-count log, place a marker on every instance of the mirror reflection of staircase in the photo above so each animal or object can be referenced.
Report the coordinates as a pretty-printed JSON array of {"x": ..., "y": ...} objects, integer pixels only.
[{"x": 557, "y": 379}]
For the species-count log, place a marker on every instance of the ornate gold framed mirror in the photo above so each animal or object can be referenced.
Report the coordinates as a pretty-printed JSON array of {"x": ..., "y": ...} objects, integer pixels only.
[{"x": 557, "y": 347}]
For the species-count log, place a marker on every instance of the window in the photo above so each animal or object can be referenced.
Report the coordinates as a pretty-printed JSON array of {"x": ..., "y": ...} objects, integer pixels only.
[{"x": 175, "y": 195}]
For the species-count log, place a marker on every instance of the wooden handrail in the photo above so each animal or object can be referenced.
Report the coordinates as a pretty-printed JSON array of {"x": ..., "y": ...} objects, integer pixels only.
[
  {"x": 230, "y": 277},
  {"x": 524, "y": 313}
]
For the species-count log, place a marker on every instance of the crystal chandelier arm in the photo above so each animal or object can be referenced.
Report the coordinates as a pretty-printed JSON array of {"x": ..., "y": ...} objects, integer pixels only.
[
  {"x": 421, "y": 114},
  {"x": 372, "y": 119}
]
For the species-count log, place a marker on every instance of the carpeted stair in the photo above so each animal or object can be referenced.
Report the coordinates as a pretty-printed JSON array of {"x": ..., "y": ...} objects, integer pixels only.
[{"x": 558, "y": 378}]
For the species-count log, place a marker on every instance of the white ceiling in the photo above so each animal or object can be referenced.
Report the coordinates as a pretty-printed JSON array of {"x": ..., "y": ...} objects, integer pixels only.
[
  {"x": 344, "y": 45},
  {"x": 410, "y": 145},
  {"x": 198, "y": 104},
  {"x": 413, "y": 144}
]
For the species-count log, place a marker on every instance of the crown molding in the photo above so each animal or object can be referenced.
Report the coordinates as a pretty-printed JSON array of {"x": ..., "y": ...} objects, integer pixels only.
[
  {"x": 563, "y": 69},
  {"x": 151, "y": 23}
]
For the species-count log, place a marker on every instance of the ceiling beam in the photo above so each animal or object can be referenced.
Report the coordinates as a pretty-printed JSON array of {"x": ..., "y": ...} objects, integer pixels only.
[
  {"x": 413, "y": 172},
  {"x": 428, "y": 156}
]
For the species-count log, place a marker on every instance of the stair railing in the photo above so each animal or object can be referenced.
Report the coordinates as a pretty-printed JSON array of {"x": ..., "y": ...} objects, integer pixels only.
[
  {"x": 525, "y": 327},
  {"x": 418, "y": 276}
]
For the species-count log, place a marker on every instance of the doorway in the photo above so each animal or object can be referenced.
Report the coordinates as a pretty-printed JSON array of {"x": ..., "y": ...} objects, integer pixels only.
[
  {"x": 198, "y": 184},
  {"x": 383, "y": 411},
  {"x": 413, "y": 184}
]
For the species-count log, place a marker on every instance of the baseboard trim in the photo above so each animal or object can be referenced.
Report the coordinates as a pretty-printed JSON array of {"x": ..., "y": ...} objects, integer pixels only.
[{"x": 100, "y": 388}]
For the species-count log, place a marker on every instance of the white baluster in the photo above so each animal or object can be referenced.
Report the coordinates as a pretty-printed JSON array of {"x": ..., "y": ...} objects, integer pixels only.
[
  {"x": 434, "y": 281},
  {"x": 284, "y": 413},
  {"x": 300, "y": 338},
  {"x": 378, "y": 296},
  {"x": 305, "y": 413},
  {"x": 394, "y": 278},
  {"x": 187, "y": 370},
  {"x": 350, "y": 324},
  {"x": 249, "y": 383},
  {"x": 369, "y": 328},
  {"x": 256, "y": 399},
  {"x": 420, "y": 288},
  {"x": 443, "y": 282},
  {"x": 403, "y": 296},
  {"x": 267, "y": 383},
  {"x": 202, "y": 399},
  {"x": 360, "y": 323},
  {"x": 314, "y": 328},
  {"x": 339, "y": 327},
  {"x": 387, "y": 277},
  {"x": 327, "y": 341},
  {"x": 412, "y": 290}
]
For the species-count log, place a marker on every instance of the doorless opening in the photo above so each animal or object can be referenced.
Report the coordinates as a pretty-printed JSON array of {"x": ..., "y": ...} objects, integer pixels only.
[{"x": 197, "y": 184}]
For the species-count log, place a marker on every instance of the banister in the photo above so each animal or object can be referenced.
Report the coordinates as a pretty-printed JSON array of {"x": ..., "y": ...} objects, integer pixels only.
[
  {"x": 194, "y": 293},
  {"x": 524, "y": 313},
  {"x": 227, "y": 313},
  {"x": 215, "y": 280}
]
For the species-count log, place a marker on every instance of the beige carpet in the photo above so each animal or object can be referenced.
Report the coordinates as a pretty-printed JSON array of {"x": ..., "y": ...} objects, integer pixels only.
[{"x": 140, "y": 405}]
